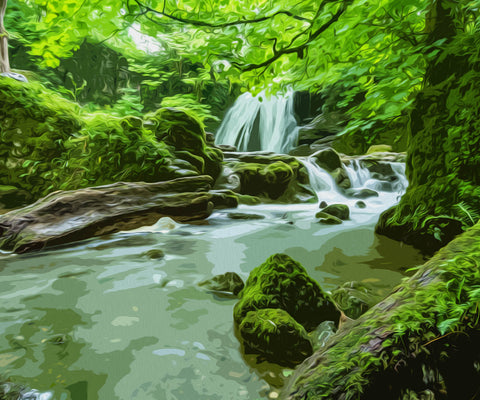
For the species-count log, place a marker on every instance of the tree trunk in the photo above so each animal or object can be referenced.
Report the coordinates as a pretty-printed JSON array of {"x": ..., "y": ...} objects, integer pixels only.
[
  {"x": 443, "y": 172},
  {"x": 68, "y": 216},
  {"x": 4, "y": 62},
  {"x": 421, "y": 342}
]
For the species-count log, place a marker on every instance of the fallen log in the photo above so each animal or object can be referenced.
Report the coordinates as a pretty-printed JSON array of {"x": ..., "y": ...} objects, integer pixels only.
[
  {"x": 68, "y": 216},
  {"x": 421, "y": 342}
]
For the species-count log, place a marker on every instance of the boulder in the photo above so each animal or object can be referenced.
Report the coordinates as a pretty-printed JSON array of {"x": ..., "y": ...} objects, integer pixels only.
[
  {"x": 361, "y": 193},
  {"x": 185, "y": 134},
  {"x": 328, "y": 159},
  {"x": 224, "y": 199},
  {"x": 327, "y": 219},
  {"x": 360, "y": 204},
  {"x": 229, "y": 282},
  {"x": 282, "y": 283},
  {"x": 338, "y": 210},
  {"x": 341, "y": 178},
  {"x": 275, "y": 335}
]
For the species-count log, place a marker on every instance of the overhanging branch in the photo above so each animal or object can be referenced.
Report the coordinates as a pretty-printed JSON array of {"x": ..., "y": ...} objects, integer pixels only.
[{"x": 205, "y": 24}]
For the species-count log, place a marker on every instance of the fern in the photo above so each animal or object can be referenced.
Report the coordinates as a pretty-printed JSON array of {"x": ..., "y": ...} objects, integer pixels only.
[{"x": 466, "y": 213}]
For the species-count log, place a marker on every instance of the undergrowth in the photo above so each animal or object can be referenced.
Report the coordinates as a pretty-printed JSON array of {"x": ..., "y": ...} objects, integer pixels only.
[{"x": 49, "y": 143}]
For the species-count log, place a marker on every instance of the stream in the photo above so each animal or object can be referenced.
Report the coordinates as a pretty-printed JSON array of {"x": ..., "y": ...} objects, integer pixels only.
[{"x": 102, "y": 319}]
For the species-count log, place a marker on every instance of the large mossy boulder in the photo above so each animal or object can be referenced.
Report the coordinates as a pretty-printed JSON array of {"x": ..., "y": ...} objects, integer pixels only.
[
  {"x": 279, "y": 304},
  {"x": 276, "y": 335},
  {"x": 277, "y": 180},
  {"x": 187, "y": 137},
  {"x": 281, "y": 282}
]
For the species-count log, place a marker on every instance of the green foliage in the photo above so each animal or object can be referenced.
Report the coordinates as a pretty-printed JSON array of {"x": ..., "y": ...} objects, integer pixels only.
[
  {"x": 187, "y": 102},
  {"x": 47, "y": 143}
]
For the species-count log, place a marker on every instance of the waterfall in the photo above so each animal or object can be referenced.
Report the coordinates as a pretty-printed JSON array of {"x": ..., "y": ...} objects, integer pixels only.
[{"x": 260, "y": 123}]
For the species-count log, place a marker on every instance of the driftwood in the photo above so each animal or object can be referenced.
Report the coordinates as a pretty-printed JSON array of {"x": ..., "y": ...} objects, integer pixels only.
[
  {"x": 68, "y": 216},
  {"x": 421, "y": 342}
]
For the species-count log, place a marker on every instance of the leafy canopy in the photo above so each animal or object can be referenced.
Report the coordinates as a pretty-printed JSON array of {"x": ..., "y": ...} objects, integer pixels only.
[{"x": 378, "y": 50}]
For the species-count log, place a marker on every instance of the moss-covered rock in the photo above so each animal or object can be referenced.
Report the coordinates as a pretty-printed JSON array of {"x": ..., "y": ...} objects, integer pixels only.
[
  {"x": 276, "y": 335},
  {"x": 186, "y": 136},
  {"x": 273, "y": 181},
  {"x": 327, "y": 219},
  {"x": 48, "y": 143},
  {"x": 340, "y": 211},
  {"x": 281, "y": 282},
  {"x": 328, "y": 159}
]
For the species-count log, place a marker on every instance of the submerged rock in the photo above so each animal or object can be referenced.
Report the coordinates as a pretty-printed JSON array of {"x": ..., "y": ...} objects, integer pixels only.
[
  {"x": 228, "y": 282},
  {"x": 276, "y": 335},
  {"x": 154, "y": 254},
  {"x": 244, "y": 216}
]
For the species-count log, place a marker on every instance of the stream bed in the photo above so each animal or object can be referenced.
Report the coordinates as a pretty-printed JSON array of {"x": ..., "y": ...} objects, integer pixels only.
[{"x": 106, "y": 319}]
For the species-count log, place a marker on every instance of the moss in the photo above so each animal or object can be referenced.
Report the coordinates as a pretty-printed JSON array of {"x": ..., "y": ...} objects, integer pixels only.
[
  {"x": 443, "y": 162},
  {"x": 49, "y": 143},
  {"x": 275, "y": 181},
  {"x": 340, "y": 211},
  {"x": 276, "y": 335},
  {"x": 354, "y": 298},
  {"x": 423, "y": 337},
  {"x": 281, "y": 282},
  {"x": 187, "y": 138}
]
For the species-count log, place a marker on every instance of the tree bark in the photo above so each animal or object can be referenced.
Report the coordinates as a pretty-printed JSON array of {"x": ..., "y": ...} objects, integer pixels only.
[
  {"x": 421, "y": 342},
  {"x": 4, "y": 61},
  {"x": 68, "y": 216}
]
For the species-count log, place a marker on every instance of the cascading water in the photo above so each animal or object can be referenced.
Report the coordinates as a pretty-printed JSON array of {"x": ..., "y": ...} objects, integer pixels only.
[
  {"x": 357, "y": 174},
  {"x": 360, "y": 177},
  {"x": 260, "y": 123}
]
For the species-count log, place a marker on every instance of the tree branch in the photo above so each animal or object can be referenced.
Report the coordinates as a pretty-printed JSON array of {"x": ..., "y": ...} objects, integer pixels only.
[
  {"x": 221, "y": 25},
  {"x": 296, "y": 49}
]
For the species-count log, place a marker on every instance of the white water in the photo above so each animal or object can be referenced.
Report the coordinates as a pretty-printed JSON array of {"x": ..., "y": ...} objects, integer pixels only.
[
  {"x": 260, "y": 123},
  {"x": 360, "y": 177}
]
